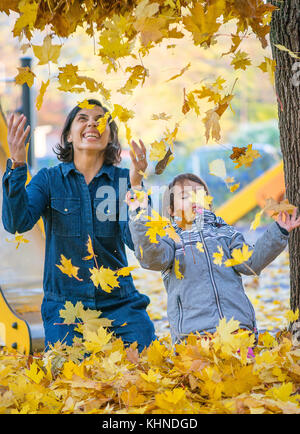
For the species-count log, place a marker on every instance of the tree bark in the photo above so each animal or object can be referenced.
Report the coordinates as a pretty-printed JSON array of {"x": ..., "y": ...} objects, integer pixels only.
[{"x": 285, "y": 30}]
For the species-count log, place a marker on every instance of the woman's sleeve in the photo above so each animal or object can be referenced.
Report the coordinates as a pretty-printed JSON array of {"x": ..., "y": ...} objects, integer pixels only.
[
  {"x": 153, "y": 256},
  {"x": 23, "y": 206},
  {"x": 267, "y": 247},
  {"x": 124, "y": 214}
]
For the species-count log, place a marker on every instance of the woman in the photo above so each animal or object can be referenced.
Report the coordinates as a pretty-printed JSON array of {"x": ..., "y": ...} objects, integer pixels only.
[{"x": 70, "y": 198}]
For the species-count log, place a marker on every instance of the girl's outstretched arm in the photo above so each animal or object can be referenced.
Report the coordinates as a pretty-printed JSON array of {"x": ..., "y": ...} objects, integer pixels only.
[
  {"x": 153, "y": 256},
  {"x": 267, "y": 247}
]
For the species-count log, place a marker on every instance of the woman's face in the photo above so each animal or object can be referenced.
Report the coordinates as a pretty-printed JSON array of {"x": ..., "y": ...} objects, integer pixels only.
[
  {"x": 83, "y": 132},
  {"x": 187, "y": 199}
]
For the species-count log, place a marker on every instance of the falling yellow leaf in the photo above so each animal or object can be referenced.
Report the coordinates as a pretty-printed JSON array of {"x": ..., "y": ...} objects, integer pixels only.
[
  {"x": 218, "y": 256},
  {"x": 177, "y": 272},
  {"x": 66, "y": 267},
  {"x": 247, "y": 158},
  {"x": 125, "y": 271},
  {"x": 183, "y": 70},
  {"x": 256, "y": 221},
  {"x": 18, "y": 239},
  {"x": 234, "y": 187},
  {"x": 102, "y": 122},
  {"x": 105, "y": 277},
  {"x": 217, "y": 168},
  {"x": 239, "y": 256},
  {"x": 85, "y": 104},
  {"x": 25, "y": 75},
  {"x": 90, "y": 249},
  {"x": 291, "y": 315},
  {"x": 47, "y": 52},
  {"x": 199, "y": 246},
  {"x": 40, "y": 97}
]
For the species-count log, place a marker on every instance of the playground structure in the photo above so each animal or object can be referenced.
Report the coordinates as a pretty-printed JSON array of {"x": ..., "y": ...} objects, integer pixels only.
[{"x": 21, "y": 288}]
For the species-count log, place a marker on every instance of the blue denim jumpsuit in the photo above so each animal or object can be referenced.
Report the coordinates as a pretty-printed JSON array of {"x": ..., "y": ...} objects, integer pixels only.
[{"x": 71, "y": 211}]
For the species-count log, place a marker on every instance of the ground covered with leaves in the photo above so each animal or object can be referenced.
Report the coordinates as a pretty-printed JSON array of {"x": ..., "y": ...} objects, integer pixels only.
[{"x": 223, "y": 373}]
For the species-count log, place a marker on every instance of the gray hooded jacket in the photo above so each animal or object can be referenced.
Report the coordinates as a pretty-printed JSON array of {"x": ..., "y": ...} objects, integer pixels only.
[{"x": 208, "y": 292}]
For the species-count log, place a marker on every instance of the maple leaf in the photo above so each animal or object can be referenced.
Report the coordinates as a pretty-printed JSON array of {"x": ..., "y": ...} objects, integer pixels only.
[
  {"x": 138, "y": 74},
  {"x": 239, "y": 256},
  {"x": 217, "y": 168},
  {"x": 218, "y": 256},
  {"x": 162, "y": 164},
  {"x": 66, "y": 267},
  {"x": 177, "y": 272},
  {"x": 189, "y": 102},
  {"x": 25, "y": 75},
  {"x": 27, "y": 19},
  {"x": 102, "y": 122},
  {"x": 122, "y": 113},
  {"x": 234, "y": 187},
  {"x": 35, "y": 373},
  {"x": 224, "y": 337},
  {"x": 161, "y": 116},
  {"x": 125, "y": 271},
  {"x": 47, "y": 52},
  {"x": 85, "y": 104},
  {"x": 183, "y": 70},
  {"x": 247, "y": 158},
  {"x": 269, "y": 66},
  {"x": 96, "y": 341},
  {"x": 158, "y": 151},
  {"x": 132, "y": 398},
  {"x": 199, "y": 246},
  {"x": 277, "y": 207},
  {"x": 202, "y": 23},
  {"x": 19, "y": 238},
  {"x": 173, "y": 401},
  {"x": 256, "y": 221},
  {"x": 291, "y": 315},
  {"x": 105, "y": 277},
  {"x": 70, "y": 312},
  {"x": 40, "y": 97},
  {"x": 237, "y": 152},
  {"x": 283, "y": 48},
  {"x": 240, "y": 60},
  {"x": 212, "y": 126},
  {"x": 90, "y": 250}
]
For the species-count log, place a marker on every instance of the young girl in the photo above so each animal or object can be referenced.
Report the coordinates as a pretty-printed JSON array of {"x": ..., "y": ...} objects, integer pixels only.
[{"x": 201, "y": 288}]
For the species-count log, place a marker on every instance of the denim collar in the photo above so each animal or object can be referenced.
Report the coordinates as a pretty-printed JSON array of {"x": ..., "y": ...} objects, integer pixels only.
[{"x": 108, "y": 169}]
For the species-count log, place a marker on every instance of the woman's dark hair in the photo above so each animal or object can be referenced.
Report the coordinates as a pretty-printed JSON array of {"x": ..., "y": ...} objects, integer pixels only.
[
  {"x": 64, "y": 150},
  {"x": 168, "y": 199}
]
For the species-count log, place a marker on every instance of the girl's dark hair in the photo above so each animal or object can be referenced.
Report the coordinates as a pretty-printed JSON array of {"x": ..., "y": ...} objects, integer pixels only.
[
  {"x": 64, "y": 150},
  {"x": 168, "y": 200}
]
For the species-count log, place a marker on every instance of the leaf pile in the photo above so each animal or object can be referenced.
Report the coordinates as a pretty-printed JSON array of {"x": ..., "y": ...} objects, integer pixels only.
[{"x": 213, "y": 374}]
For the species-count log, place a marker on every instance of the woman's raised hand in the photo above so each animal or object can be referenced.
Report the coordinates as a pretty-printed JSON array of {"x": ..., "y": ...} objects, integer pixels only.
[
  {"x": 138, "y": 163},
  {"x": 16, "y": 136}
]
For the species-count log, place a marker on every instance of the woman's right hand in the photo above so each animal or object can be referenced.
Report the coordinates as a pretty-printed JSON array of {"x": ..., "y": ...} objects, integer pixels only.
[{"x": 16, "y": 136}]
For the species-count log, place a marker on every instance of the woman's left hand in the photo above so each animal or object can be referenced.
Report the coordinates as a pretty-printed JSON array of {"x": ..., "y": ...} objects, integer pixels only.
[
  {"x": 290, "y": 222},
  {"x": 138, "y": 163}
]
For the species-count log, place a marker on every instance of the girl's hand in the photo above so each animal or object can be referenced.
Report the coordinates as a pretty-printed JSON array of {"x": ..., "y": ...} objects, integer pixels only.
[
  {"x": 16, "y": 137},
  {"x": 138, "y": 163},
  {"x": 290, "y": 222},
  {"x": 134, "y": 202}
]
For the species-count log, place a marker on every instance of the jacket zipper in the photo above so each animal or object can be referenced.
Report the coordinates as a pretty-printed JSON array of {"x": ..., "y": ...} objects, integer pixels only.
[
  {"x": 180, "y": 316},
  {"x": 212, "y": 277}
]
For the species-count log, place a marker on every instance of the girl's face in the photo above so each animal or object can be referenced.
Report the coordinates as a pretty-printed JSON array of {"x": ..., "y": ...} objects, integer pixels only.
[
  {"x": 84, "y": 134},
  {"x": 186, "y": 201}
]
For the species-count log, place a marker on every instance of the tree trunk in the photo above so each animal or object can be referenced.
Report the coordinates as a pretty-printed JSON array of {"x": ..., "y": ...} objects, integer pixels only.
[{"x": 285, "y": 30}]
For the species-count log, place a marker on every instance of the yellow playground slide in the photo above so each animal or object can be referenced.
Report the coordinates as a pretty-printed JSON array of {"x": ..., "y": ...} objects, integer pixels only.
[{"x": 21, "y": 278}]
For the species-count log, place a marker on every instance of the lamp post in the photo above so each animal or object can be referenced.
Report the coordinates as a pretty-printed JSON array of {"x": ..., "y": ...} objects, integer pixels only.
[{"x": 27, "y": 111}]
